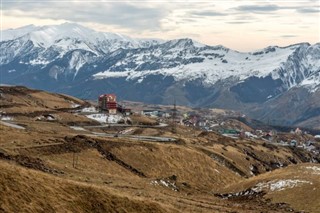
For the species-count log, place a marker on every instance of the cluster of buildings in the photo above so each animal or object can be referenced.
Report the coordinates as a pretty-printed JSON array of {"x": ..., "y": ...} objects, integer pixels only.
[
  {"x": 208, "y": 122},
  {"x": 156, "y": 113},
  {"x": 221, "y": 124}
]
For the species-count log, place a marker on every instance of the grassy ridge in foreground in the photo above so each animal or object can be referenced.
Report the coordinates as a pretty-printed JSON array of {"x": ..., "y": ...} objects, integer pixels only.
[{"x": 33, "y": 191}]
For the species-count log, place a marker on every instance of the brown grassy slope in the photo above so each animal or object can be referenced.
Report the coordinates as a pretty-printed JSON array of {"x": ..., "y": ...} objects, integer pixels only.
[
  {"x": 163, "y": 160},
  {"x": 25, "y": 100},
  {"x": 303, "y": 197},
  {"x": 191, "y": 160},
  {"x": 36, "y": 133},
  {"x": 250, "y": 156},
  {"x": 31, "y": 191},
  {"x": 143, "y": 120}
]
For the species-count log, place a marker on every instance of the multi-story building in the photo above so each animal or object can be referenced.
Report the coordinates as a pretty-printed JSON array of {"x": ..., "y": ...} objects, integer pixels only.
[{"x": 108, "y": 102}]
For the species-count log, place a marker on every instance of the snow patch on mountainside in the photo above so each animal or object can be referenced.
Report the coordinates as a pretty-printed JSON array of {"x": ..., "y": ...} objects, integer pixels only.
[
  {"x": 67, "y": 44},
  {"x": 279, "y": 185},
  {"x": 77, "y": 61},
  {"x": 312, "y": 83},
  {"x": 39, "y": 61}
]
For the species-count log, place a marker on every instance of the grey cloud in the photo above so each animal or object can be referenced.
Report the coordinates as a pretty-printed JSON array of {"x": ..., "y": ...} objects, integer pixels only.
[
  {"x": 188, "y": 20},
  {"x": 273, "y": 8},
  {"x": 257, "y": 8},
  {"x": 288, "y": 36},
  {"x": 238, "y": 22},
  {"x": 133, "y": 16},
  {"x": 208, "y": 13},
  {"x": 308, "y": 10},
  {"x": 245, "y": 17}
]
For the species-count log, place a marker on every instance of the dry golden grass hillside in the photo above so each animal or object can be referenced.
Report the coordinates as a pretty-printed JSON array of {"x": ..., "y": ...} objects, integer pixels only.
[
  {"x": 26, "y": 100},
  {"x": 23, "y": 190},
  {"x": 72, "y": 164}
]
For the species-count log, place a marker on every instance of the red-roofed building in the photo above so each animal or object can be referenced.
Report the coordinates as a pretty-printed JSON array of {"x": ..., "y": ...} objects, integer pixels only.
[{"x": 108, "y": 102}]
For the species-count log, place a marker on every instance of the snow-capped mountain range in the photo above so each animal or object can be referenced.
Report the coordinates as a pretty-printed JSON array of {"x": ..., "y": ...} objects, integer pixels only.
[
  {"x": 68, "y": 57},
  {"x": 212, "y": 64}
]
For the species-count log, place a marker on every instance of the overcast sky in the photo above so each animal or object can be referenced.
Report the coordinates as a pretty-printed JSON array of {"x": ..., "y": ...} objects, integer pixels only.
[{"x": 237, "y": 24}]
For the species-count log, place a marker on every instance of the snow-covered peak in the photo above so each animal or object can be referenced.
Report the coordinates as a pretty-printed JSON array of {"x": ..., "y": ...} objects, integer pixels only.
[
  {"x": 183, "y": 43},
  {"x": 46, "y": 36},
  {"x": 11, "y": 34}
]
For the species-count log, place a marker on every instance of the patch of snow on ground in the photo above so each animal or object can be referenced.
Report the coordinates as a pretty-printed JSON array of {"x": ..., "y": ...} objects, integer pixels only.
[
  {"x": 126, "y": 131},
  {"x": 315, "y": 169},
  {"x": 114, "y": 118},
  {"x": 279, "y": 185},
  {"x": 105, "y": 118},
  {"x": 250, "y": 135},
  {"x": 102, "y": 118},
  {"x": 165, "y": 183},
  {"x": 89, "y": 109},
  {"x": 6, "y": 118},
  {"x": 75, "y": 105},
  {"x": 12, "y": 125},
  {"x": 77, "y": 128}
]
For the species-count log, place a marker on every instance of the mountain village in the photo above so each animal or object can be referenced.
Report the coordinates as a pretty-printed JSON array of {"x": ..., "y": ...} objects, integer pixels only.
[{"x": 224, "y": 122}]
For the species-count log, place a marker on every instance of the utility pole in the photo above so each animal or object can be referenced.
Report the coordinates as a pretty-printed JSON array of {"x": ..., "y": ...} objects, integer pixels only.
[
  {"x": 174, "y": 114},
  {"x": 75, "y": 159}
]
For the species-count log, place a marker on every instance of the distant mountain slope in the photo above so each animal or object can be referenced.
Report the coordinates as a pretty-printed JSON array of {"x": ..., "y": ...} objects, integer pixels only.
[{"x": 80, "y": 61}]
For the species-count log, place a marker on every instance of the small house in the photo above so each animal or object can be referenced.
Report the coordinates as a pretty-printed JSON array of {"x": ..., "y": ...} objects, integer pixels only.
[
  {"x": 298, "y": 131},
  {"x": 293, "y": 143},
  {"x": 268, "y": 136}
]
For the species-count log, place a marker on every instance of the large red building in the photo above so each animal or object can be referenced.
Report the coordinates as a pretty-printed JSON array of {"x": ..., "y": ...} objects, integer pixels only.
[{"x": 108, "y": 102}]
